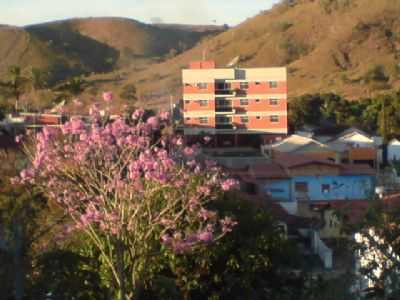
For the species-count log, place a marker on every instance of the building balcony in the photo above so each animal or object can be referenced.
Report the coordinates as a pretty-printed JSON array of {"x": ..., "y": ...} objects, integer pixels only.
[
  {"x": 224, "y": 126},
  {"x": 223, "y": 91},
  {"x": 224, "y": 110}
]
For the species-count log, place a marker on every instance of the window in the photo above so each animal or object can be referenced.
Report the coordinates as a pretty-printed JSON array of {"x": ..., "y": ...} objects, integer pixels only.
[
  {"x": 258, "y": 100},
  {"x": 224, "y": 120},
  {"x": 223, "y": 86},
  {"x": 203, "y": 120},
  {"x": 274, "y": 119},
  {"x": 325, "y": 188},
  {"x": 223, "y": 102},
  {"x": 301, "y": 187},
  {"x": 244, "y": 85},
  {"x": 244, "y": 119},
  {"x": 244, "y": 102},
  {"x": 273, "y": 101},
  {"x": 203, "y": 102},
  {"x": 273, "y": 84},
  {"x": 202, "y": 85}
]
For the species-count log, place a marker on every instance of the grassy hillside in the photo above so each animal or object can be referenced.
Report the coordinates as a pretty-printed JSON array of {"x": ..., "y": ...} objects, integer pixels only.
[
  {"x": 349, "y": 47},
  {"x": 91, "y": 45}
]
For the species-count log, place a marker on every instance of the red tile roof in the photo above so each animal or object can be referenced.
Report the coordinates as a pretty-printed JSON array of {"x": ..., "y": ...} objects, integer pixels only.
[
  {"x": 268, "y": 171},
  {"x": 289, "y": 160},
  {"x": 357, "y": 169}
]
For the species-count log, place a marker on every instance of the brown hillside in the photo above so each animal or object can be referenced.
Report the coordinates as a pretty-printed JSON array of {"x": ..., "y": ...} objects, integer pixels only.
[
  {"x": 91, "y": 45},
  {"x": 328, "y": 46}
]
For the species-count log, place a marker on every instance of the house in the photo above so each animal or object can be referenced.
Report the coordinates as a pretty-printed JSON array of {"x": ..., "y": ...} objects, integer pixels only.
[
  {"x": 234, "y": 106},
  {"x": 297, "y": 181},
  {"x": 300, "y": 144},
  {"x": 356, "y": 146},
  {"x": 393, "y": 150}
]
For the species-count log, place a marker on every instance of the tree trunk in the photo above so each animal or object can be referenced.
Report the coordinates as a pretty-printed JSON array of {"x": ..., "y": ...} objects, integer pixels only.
[
  {"x": 120, "y": 270},
  {"x": 19, "y": 273}
]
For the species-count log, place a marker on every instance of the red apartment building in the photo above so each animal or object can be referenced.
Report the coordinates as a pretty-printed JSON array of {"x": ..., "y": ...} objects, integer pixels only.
[{"x": 235, "y": 106}]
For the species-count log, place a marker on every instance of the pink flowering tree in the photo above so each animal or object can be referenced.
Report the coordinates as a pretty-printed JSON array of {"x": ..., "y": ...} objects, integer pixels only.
[{"x": 131, "y": 189}]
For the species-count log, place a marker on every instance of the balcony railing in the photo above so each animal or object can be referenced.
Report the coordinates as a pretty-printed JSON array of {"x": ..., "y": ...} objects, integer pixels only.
[
  {"x": 223, "y": 109},
  {"x": 224, "y": 92},
  {"x": 224, "y": 126}
]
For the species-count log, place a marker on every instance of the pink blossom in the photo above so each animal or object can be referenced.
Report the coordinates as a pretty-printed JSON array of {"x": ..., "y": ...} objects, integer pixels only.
[
  {"x": 18, "y": 139},
  {"x": 227, "y": 224},
  {"x": 188, "y": 151},
  {"x": 207, "y": 139},
  {"x": 138, "y": 114},
  {"x": 153, "y": 122},
  {"x": 228, "y": 184},
  {"x": 205, "y": 236},
  {"x": 107, "y": 96},
  {"x": 166, "y": 239},
  {"x": 164, "y": 116}
]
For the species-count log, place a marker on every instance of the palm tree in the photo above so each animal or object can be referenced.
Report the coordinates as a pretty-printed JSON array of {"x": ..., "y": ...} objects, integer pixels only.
[
  {"x": 38, "y": 78},
  {"x": 16, "y": 83}
]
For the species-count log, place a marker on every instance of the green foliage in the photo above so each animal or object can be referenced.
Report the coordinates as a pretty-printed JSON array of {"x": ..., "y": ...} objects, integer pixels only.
[
  {"x": 376, "y": 73},
  {"x": 377, "y": 115},
  {"x": 39, "y": 78},
  {"x": 73, "y": 87},
  {"x": 63, "y": 274},
  {"x": 252, "y": 262}
]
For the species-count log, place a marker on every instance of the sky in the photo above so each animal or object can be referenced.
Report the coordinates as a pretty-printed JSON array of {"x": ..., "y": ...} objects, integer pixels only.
[{"x": 232, "y": 12}]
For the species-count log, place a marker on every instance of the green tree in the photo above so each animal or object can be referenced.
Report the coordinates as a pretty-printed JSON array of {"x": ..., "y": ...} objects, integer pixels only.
[
  {"x": 73, "y": 87},
  {"x": 22, "y": 224},
  {"x": 16, "y": 84}
]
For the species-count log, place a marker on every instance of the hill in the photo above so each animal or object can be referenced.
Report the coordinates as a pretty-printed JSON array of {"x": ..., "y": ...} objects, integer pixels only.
[
  {"x": 91, "y": 45},
  {"x": 350, "y": 47}
]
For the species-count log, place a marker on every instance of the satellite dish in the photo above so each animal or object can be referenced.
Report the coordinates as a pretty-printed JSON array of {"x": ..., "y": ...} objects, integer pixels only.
[{"x": 234, "y": 61}]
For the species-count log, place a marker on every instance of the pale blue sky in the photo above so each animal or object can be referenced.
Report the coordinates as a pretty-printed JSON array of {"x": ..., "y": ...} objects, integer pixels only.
[{"x": 23, "y": 12}]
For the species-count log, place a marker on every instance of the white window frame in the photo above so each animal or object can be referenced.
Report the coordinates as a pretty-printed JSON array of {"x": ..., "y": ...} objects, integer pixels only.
[
  {"x": 244, "y": 119},
  {"x": 274, "y": 119},
  {"x": 203, "y": 120},
  {"x": 202, "y": 85},
  {"x": 273, "y": 84},
  {"x": 203, "y": 103},
  {"x": 273, "y": 101},
  {"x": 244, "y": 85},
  {"x": 240, "y": 102}
]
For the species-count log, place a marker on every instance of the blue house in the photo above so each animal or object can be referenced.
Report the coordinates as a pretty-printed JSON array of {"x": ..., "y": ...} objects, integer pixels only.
[{"x": 295, "y": 179}]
